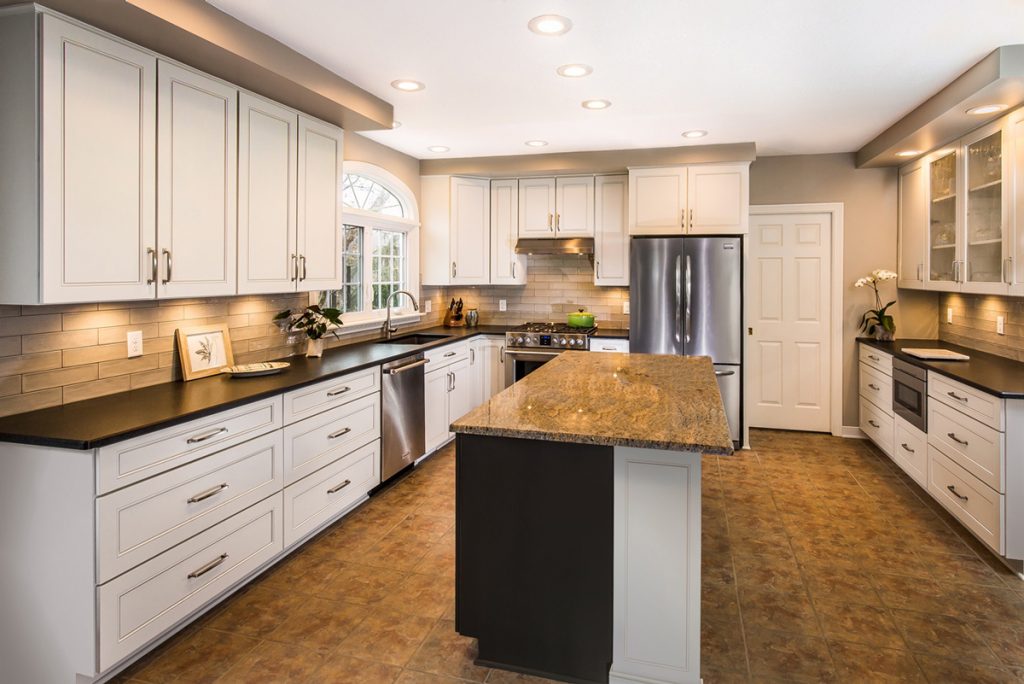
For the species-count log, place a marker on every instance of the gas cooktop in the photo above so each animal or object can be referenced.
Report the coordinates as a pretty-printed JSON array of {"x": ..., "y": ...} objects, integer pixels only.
[
  {"x": 549, "y": 336},
  {"x": 552, "y": 328}
]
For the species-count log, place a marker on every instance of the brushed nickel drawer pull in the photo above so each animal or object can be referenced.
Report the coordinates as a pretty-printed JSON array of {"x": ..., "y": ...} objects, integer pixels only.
[
  {"x": 873, "y": 357},
  {"x": 874, "y": 424},
  {"x": 952, "y": 436},
  {"x": 449, "y": 354},
  {"x": 957, "y": 396},
  {"x": 167, "y": 256},
  {"x": 957, "y": 494},
  {"x": 209, "y": 435},
  {"x": 907, "y": 447},
  {"x": 295, "y": 267},
  {"x": 339, "y": 433},
  {"x": 874, "y": 386},
  {"x": 337, "y": 488},
  {"x": 334, "y": 393},
  {"x": 153, "y": 265},
  {"x": 203, "y": 496},
  {"x": 208, "y": 567},
  {"x": 302, "y": 265}
]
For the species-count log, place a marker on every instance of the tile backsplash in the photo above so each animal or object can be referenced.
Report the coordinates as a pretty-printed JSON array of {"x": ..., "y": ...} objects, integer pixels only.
[{"x": 974, "y": 323}]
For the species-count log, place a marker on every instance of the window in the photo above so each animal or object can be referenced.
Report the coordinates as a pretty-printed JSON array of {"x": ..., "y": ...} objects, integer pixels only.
[
  {"x": 350, "y": 296},
  {"x": 388, "y": 266},
  {"x": 359, "y": 192}
]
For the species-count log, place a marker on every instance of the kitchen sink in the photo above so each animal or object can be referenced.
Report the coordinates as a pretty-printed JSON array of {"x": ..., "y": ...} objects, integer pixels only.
[{"x": 414, "y": 339}]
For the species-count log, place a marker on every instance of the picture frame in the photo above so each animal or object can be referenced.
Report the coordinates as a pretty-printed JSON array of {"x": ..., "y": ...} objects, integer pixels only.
[{"x": 204, "y": 350}]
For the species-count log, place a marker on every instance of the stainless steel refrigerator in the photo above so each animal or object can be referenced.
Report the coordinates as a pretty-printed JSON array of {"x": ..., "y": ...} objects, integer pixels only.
[{"x": 686, "y": 297}]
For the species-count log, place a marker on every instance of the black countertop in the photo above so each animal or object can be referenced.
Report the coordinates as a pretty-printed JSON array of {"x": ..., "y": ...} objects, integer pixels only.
[
  {"x": 990, "y": 373},
  {"x": 97, "y": 422}
]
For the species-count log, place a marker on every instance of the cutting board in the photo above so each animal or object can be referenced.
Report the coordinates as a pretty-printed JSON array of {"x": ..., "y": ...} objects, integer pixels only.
[{"x": 936, "y": 354}]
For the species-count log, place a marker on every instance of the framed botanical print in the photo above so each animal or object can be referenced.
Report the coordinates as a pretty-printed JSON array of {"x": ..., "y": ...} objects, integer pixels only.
[{"x": 204, "y": 350}]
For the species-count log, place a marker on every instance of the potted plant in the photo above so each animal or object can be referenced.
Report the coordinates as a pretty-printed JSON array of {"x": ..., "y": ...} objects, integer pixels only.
[
  {"x": 876, "y": 321},
  {"x": 314, "y": 322}
]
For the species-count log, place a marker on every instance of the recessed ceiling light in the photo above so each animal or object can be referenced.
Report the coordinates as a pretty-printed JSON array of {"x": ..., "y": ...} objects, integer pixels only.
[
  {"x": 987, "y": 109},
  {"x": 408, "y": 85},
  {"x": 574, "y": 70},
  {"x": 395, "y": 123},
  {"x": 596, "y": 104},
  {"x": 696, "y": 133},
  {"x": 550, "y": 25},
  {"x": 536, "y": 143},
  {"x": 438, "y": 148},
  {"x": 908, "y": 153}
]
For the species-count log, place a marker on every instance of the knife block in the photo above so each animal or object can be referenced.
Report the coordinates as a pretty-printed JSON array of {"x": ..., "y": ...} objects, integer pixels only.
[{"x": 451, "y": 321}]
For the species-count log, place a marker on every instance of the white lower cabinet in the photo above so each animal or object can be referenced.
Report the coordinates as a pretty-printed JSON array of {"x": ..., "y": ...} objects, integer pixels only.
[
  {"x": 910, "y": 450},
  {"x": 449, "y": 393},
  {"x": 877, "y": 425},
  {"x": 313, "y": 443},
  {"x": 971, "y": 501},
  {"x": 488, "y": 362},
  {"x": 609, "y": 344}
]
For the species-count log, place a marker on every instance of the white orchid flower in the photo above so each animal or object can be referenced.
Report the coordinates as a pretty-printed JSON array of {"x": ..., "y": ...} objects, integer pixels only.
[{"x": 883, "y": 274}]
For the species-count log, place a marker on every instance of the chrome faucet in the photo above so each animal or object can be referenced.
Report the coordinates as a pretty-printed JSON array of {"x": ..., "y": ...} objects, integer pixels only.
[{"x": 388, "y": 330}]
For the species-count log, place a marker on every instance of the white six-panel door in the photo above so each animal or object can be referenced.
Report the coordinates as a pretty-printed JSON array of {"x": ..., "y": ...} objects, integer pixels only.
[
  {"x": 789, "y": 314},
  {"x": 319, "y": 211}
]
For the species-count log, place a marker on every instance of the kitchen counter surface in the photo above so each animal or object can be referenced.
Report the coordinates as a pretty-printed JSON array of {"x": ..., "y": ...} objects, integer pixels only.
[
  {"x": 640, "y": 400},
  {"x": 990, "y": 373}
]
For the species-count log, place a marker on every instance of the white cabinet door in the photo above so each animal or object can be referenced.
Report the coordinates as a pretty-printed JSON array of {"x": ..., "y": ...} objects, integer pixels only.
[
  {"x": 507, "y": 267},
  {"x": 470, "y": 230},
  {"x": 913, "y": 226},
  {"x": 478, "y": 370},
  {"x": 197, "y": 189},
  {"x": 435, "y": 400},
  {"x": 493, "y": 366},
  {"x": 319, "y": 205},
  {"x": 267, "y": 165},
  {"x": 611, "y": 237},
  {"x": 536, "y": 207},
  {"x": 718, "y": 198},
  {"x": 1015, "y": 274},
  {"x": 463, "y": 390},
  {"x": 657, "y": 200},
  {"x": 99, "y": 167},
  {"x": 985, "y": 211},
  {"x": 574, "y": 206}
]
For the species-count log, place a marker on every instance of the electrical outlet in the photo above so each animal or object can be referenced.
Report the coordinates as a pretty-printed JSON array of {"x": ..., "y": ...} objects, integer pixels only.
[
  {"x": 502, "y": 305},
  {"x": 427, "y": 306},
  {"x": 625, "y": 307},
  {"x": 949, "y": 314},
  {"x": 134, "y": 343},
  {"x": 1001, "y": 325}
]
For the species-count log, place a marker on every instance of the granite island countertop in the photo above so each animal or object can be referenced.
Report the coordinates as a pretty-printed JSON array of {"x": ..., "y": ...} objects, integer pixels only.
[{"x": 640, "y": 400}]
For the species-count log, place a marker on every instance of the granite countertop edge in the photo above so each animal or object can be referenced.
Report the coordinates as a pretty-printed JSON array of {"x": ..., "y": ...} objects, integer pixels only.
[{"x": 596, "y": 440}]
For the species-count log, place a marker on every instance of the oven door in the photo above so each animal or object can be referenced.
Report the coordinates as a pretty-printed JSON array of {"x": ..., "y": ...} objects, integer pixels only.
[
  {"x": 521, "y": 362},
  {"x": 909, "y": 399}
]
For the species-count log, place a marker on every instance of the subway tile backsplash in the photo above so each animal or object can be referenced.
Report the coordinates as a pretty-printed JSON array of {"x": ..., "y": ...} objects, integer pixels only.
[{"x": 974, "y": 323}]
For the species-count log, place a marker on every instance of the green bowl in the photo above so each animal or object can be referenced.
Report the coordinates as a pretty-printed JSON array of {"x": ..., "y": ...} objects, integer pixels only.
[{"x": 581, "y": 319}]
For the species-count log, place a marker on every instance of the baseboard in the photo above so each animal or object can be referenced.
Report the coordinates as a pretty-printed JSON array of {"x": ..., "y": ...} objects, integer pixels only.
[{"x": 852, "y": 432}]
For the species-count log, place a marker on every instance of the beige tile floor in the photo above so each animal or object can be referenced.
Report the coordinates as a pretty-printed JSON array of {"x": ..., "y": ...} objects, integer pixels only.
[{"x": 822, "y": 562}]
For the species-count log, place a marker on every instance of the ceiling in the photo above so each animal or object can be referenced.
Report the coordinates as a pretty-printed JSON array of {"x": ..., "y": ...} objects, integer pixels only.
[{"x": 792, "y": 76}]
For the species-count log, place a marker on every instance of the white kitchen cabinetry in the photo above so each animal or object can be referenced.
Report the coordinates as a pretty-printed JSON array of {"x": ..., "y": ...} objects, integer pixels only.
[
  {"x": 318, "y": 239},
  {"x": 700, "y": 199},
  {"x": 537, "y": 207},
  {"x": 507, "y": 267},
  {"x": 451, "y": 390},
  {"x": 556, "y": 207},
  {"x": 455, "y": 235},
  {"x": 913, "y": 225},
  {"x": 609, "y": 344},
  {"x": 1016, "y": 235},
  {"x": 876, "y": 416},
  {"x": 487, "y": 362},
  {"x": 611, "y": 234},
  {"x": 197, "y": 172}
]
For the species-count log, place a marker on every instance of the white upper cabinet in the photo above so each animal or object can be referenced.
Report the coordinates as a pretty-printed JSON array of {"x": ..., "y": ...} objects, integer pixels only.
[
  {"x": 268, "y": 261},
  {"x": 98, "y": 127},
  {"x": 320, "y": 155},
  {"x": 470, "y": 230},
  {"x": 197, "y": 159},
  {"x": 913, "y": 225},
  {"x": 537, "y": 207},
  {"x": 1015, "y": 267},
  {"x": 719, "y": 199},
  {"x": 507, "y": 267},
  {"x": 574, "y": 206},
  {"x": 611, "y": 238},
  {"x": 985, "y": 212},
  {"x": 657, "y": 201}
]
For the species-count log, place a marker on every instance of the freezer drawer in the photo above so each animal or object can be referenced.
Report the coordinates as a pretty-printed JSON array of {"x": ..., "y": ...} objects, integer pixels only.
[{"x": 729, "y": 381}]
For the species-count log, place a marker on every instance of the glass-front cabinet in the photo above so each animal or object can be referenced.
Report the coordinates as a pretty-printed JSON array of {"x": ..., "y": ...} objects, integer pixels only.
[
  {"x": 943, "y": 234},
  {"x": 983, "y": 266}
]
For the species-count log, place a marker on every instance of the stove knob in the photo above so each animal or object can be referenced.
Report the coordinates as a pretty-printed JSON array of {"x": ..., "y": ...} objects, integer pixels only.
[
  {"x": 562, "y": 341},
  {"x": 572, "y": 342},
  {"x": 519, "y": 340}
]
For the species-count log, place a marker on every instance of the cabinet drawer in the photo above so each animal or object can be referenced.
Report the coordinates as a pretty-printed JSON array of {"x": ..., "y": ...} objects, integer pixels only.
[
  {"x": 136, "y": 459},
  {"x": 975, "y": 447},
  {"x": 604, "y": 344},
  {"x": 309, "y": 401},
  {"x": 446, "y": 355},
  {"x": 970, "y": 501},
  {"x": 141, "y": 604},
  {"x": 317, "y": 499},
  {"x": 138, "y": 522},
  {"x": 876, "y": 425},
  {"x": 313, "y": 443},
  {"x": 876, "y": 387},
  {"x": 910, "y": 450},
  {"x": 876, "y": 359},
  {"x": 976, "y": 404}
]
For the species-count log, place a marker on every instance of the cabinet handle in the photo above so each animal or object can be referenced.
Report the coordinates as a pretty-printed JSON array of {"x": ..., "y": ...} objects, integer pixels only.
[
  {"x": 455, "y": 270},
  {"x": 558, "y": 221},
  {"x": 874, "y": 386},
  {"x": 449, "y": 354},
  {"x": 295, "y": 267},
  {"x": 338, "y": 487},
  {"x": 199, "y": 572},
  {"x": 691, "y": 220},
  {"x": 204, "y": 437},
  {"x": 302, "y": 263},
  {"x": 597, "y": 269},
  {"x": 550, "y": 219},
  {"x": 334, "y": 393},
  {"x": 513, "y": 270},
  {"x": 907, "y": 447},
  {"x": 952, "y": 436},
  {"x": 874, "y": 424},
  {"x": 957, "y": 397},
  {"x": 167, "y": 255},
  {"x": 1008, "y": 262},
  {"x": 501, "y": 354},
  {"x": 152, "y": 265},
  {"x": 682, "y": 219},
  {"x": 472, "y": 356},
  {"x": 339, "y": 433},
  {"x": 202, "y": 496},
  {"x": 956, "y": 493},
  {"x": 873, "y": 357}
]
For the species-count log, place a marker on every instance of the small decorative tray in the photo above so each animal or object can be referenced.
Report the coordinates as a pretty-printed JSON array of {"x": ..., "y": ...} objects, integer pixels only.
[
  {"x": 252, "y": 370},
  {"x": 937, "y": 354}
]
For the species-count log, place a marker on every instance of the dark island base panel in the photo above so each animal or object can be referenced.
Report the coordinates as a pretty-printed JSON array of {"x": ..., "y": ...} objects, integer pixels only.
[{"x": 534, "y": 555}]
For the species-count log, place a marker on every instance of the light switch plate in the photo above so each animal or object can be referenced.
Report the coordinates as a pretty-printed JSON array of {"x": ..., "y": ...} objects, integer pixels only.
[
  {"x": 1001, "y": 325},
  {"x": 949, "y": 314},
  {"x": 625, "y": 307},
  {"x": 427, "y": 306},
  {"x": 502, "y": 305},
  {"x": 134, "y": 343}
]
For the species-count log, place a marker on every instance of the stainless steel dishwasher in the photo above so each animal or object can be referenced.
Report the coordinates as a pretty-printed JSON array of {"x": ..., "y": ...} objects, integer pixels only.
[{"x": 402, "y": 437}]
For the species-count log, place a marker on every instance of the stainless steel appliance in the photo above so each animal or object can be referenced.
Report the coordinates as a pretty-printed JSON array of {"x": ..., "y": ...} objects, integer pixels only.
[
  {"x": 403, "y": 429},
  {"x": 686, "y": 297},
  {"x": 910, "y": 393},
  {"x": 529, "y": 346}
]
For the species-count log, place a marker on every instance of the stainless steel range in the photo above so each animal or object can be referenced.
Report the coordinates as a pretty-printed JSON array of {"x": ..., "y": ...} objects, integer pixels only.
[{"x": 529, "y": 346}]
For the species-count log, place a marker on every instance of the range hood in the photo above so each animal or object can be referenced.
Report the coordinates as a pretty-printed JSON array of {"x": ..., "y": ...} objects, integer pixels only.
[{"x": 555, "y": 246}]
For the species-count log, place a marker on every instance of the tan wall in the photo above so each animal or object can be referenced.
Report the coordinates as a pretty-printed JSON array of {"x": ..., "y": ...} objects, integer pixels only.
[
  {"x": 869, "y": 197},
  {"x": 974, "y": 323},
  {"x": 359, "y": 148}
]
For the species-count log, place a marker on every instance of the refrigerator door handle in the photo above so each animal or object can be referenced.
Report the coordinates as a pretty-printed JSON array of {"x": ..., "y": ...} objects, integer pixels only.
[
  {"x": 679, "y": 298},
  {"x": 689, "y": 294}
]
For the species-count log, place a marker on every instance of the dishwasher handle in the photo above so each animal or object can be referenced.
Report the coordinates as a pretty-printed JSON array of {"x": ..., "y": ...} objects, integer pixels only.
[{"x": 408, "y": 366}]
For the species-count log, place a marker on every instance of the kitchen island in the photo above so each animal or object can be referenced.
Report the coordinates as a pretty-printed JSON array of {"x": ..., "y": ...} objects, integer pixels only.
[{"x": 578, "y": 518}]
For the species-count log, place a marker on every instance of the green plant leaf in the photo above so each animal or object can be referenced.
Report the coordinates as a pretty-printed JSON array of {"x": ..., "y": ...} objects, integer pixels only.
[{"x": 283, "y": 314}]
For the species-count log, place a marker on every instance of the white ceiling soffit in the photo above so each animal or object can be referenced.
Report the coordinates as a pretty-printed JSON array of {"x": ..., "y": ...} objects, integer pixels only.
[{"x": 792, "y": 76}]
